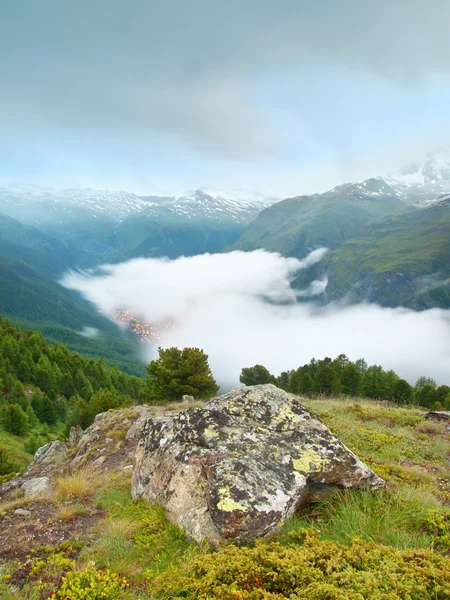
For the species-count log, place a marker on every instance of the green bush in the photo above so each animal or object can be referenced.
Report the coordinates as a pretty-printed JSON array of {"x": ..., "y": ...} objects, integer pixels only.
[
  {"x": 309, "y": 569},
  {"x": 7, "y": 466},
  {"x": 91, "y": 584}
]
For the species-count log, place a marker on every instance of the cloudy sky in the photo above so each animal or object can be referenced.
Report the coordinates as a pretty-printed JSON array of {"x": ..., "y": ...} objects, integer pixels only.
[{"x": 284, "y": 96}]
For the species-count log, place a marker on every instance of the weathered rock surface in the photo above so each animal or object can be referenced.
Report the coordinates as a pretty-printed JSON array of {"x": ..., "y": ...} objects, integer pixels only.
[
  {"x": 36, "y": 486},
  {"x": 240, "y": 466},
  {"x": 439, "y": 415}
]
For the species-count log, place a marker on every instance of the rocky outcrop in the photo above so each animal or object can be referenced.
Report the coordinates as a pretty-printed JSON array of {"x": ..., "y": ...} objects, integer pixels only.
[{"x": 240, "y": 466}]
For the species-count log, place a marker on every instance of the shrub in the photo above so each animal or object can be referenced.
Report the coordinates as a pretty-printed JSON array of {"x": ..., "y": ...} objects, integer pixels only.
[
  {"x": 91, "y": 584},
  {"x": 309, "y": 569},
  {"x": 7, "y": 466}
]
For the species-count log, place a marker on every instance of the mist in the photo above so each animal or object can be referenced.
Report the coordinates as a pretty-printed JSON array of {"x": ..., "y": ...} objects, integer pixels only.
[{"x": 241, "y": 310}]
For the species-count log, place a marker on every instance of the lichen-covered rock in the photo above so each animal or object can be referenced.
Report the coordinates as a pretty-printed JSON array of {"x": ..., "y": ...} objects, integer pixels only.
[
  {"x": 36, "y": 486},
  {"x": 240, "y": 466}
]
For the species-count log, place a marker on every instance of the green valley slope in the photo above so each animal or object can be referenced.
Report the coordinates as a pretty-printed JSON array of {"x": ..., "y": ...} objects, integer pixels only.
[
  {"x": 399, "y": 260},
  {"x": 296, "y": 226}
]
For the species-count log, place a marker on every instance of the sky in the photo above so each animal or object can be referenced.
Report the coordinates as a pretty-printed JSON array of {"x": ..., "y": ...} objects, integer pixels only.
[
  {"x": 240, "y": 308},
  {"x": 283, "y": 97}
]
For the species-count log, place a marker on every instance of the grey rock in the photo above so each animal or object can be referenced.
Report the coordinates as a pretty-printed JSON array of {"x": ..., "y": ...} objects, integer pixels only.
[
  {"x": 241, "y": 465},
  {"x": 75, "y": 435},
  {"x": 49, "y": 456},
  {"x": 36, "y": 486},
  {"x": 187, "y": 398},
  {"x": 135, "y": 431},
  {"x": 439, "y": 415},
  {"x": 22, "y": 512}
]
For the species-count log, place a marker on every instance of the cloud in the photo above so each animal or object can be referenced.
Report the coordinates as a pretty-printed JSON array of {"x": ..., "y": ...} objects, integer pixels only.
[
  {"x": 240, "y": 308},
  {"x": 89, "y": 332},
  {"x": 191, "y": 69}
]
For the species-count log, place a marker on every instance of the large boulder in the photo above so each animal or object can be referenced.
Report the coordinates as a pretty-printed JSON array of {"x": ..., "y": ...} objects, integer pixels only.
[{"x": 240, "y": 466}]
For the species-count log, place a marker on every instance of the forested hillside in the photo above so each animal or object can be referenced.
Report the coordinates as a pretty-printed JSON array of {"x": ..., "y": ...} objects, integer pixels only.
[{"x": 45, "y": 389}]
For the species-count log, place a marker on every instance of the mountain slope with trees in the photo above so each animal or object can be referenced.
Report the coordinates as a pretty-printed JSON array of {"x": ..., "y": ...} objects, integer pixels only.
[
  {"x": 399, "y": 260},
  {"x": 46, "y": 385}
]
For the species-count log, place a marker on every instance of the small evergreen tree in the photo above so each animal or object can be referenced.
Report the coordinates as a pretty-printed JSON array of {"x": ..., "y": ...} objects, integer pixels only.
[
  {"x": 177, "y": 372},
  {"x": 326, "y": 382},
  {"x": 18, "y": 395},
  {"x": 256, "y": 375},
  {"x": 402, "y": 392},
  {"x": 351, "y": 380},
  {"x": 15, "y": 420}
]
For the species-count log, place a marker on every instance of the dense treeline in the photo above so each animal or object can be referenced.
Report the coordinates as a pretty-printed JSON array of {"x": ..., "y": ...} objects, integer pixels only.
[
  {"x": 44, "y": 383},
  {"x": 331, "y": 377}
]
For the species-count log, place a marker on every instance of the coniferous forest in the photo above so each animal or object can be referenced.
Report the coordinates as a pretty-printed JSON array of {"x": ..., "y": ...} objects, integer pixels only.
[{"x": 45, "y": 388}]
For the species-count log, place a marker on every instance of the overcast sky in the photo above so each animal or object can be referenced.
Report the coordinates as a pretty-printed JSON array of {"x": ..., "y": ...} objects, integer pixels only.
[{"x": 280, "y": 96}]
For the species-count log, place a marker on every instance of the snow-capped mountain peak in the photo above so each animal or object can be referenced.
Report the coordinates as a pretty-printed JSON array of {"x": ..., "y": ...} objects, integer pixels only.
[{"x": 423, "y": 181}]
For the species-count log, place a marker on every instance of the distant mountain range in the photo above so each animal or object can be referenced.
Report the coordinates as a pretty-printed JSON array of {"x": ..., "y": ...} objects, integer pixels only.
[{"x": 42, "y": 206}]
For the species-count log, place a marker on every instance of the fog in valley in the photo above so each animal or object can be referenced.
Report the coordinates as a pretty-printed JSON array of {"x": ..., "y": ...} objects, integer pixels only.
[{"x": 240, "y": 308}]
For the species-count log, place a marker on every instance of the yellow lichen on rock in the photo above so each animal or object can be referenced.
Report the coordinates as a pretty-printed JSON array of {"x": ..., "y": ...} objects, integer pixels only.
[
  {"x": 310, "y": 457},
  {"x": 226, "y": 503}
]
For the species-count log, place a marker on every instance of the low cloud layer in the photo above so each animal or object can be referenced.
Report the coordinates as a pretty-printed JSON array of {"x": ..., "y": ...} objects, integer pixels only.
[{"x": 240, "y": 308}]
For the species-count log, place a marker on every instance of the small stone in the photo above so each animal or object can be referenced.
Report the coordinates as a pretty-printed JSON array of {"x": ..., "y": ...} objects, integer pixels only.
[
  {"x": 127, "y": 468},
  {"x": 36, "y": 486},
  {"x": 186, "y": 398},
  {"x": 108, "y": 440},
  {"x": 22, "y": 512}
]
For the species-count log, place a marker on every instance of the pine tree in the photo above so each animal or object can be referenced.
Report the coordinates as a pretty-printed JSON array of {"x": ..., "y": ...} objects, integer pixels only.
[
  {"x": 256, "y": 375},
  {"x": 325, "y": 381},
  {"x": 351, "y": 380},
  {"x": 15, "y": 420},
  {"x": 402, "y": 392},
  {"x": 18, "y": 395},
  {"x": 23, "y": 371},
  {"x": 178, "y": 372}
]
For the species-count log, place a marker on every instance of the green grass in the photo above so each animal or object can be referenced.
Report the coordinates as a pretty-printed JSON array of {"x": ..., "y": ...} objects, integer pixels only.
[
  {"x": 15, "y": 445},
  {"x": 392, "y": 518}
]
